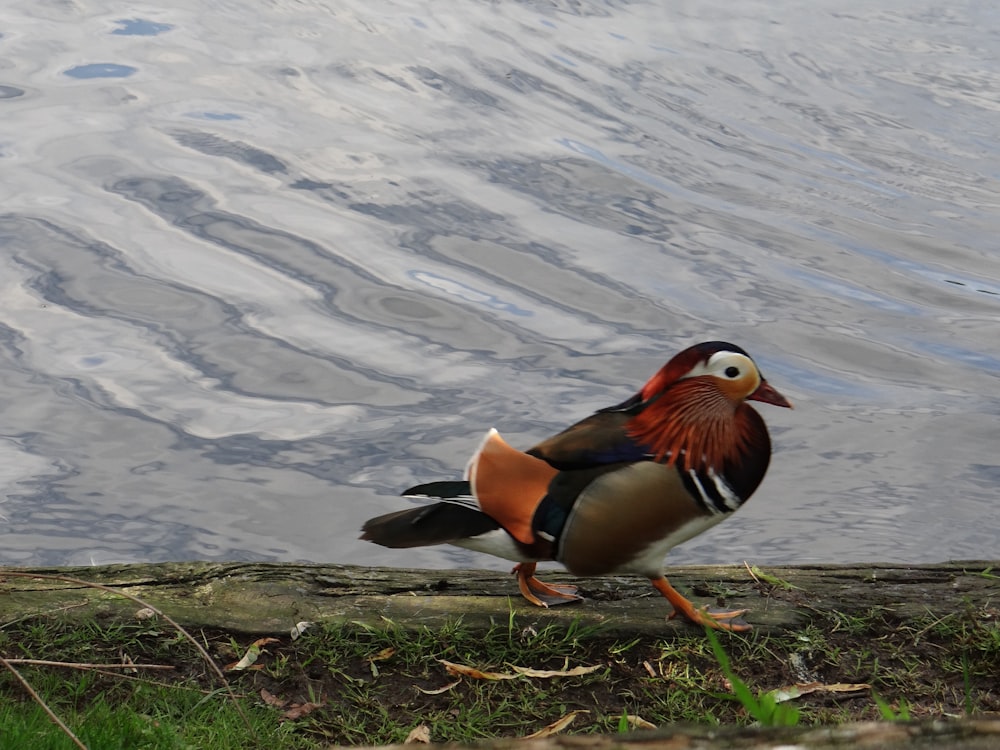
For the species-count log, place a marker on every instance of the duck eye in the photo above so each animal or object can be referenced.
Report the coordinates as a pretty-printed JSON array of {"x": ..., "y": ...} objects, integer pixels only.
[{"x": 732, "y": 372}]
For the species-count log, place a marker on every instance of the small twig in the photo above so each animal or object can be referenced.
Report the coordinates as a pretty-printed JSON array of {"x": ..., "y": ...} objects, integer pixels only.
[
  {"x": 84, "y": 665},
  {"x": 157, "y": 683},
  {"x": 38, "y": 699},
  {"x": 923, "y": 631},
  {"x": 46, "y": 613}
]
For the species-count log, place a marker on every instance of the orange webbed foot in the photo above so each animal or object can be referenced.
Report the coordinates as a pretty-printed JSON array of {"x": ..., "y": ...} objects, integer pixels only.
[
  {"x": 715, "y": 619},
  {"x": 543, "y": 594}
]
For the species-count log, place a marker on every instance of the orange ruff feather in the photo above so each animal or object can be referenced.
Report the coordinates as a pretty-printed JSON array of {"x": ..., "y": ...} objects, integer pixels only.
[
  {"x": 509, "y": 485},
  {"x": 692, "y": 425}
]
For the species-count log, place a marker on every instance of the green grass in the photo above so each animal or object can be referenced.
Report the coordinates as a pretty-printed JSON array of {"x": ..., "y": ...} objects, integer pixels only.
[
  {"x": 180, "y": 709},
  {"x": 375, "y": 685},
  {"x": 170, "y": 723},
  {"x": 134, "y": 715},
  {"x": 763, "y": 708}
]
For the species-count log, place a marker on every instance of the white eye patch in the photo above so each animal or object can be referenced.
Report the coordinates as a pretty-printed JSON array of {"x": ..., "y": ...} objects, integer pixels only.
[{"x": 724, "y": 365}]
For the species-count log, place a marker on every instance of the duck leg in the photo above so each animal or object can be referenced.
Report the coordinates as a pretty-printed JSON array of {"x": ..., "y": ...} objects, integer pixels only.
[
  {"x": 539, "y": 593},
  {"x": 699, "y": 615}
]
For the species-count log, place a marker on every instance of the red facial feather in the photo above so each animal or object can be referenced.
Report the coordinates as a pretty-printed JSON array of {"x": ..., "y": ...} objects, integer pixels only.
[
  {"x": 671, "y": 372},
  {"x": 692, "y": 424}
]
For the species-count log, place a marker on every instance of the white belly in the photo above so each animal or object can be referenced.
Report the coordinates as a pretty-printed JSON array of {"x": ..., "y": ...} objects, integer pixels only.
[
  {"x": 649, "y": 562},
  {"x": 497, "y": 543}
]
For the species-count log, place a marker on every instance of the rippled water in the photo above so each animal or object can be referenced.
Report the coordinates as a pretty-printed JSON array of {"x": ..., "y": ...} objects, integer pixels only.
[{"x": 263, "y": 267}]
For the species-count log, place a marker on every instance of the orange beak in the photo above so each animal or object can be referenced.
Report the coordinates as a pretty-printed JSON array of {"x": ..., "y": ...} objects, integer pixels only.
[{"x": 766, "y": 393}]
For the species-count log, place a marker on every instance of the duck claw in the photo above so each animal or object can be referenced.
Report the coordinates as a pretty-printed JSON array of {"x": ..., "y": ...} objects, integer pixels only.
[
  {"x": 543, "y": 594},
  {"x": 704, "y": 616},
  {"x": 720, "y": 619}
]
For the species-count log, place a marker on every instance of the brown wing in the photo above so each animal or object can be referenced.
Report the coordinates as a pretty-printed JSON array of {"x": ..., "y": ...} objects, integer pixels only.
[{"x": 597, "y": 440}]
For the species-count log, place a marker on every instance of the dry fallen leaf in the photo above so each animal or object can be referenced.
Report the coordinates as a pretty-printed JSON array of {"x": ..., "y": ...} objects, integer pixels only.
[
  {"x": 299, "y": 629},
  {"x": 126, "y": 659},
  {"x": 253, "y": 653},
  {"x": 637, "y": 722},
  {"x": 649, "y": 669},
  {"x": 439, "y": 690},
  {"x": 298, "y": 710},
  {"x": 556, "y": 726},
  {"x": 421, "y": 734},
  {"x": 804, "y": 688},
  {"x": 477, "y": 674},
  {"x": 574, "y": 672},
  {"x": 383, "y": 654},
  {"x": 463, "y": 670},
  {"x": 271, "y": 699}
]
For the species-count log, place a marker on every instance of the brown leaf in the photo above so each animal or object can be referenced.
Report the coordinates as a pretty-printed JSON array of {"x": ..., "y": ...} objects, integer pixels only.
[
  {"x": 144, "y": 614},
  {"x": 385, "y": 653},
  {"x": 637, "y": 722},
  {"x": 477, "y": 674},
  {"x": 272, "y": 700},
  {"x": 556, "y": 726},
  {"x": 235, "y": 667},
  {"x": 439, "y": 690},
  {"x": 421, "y": 734},
  {"x": 126, "y": 659},
  {"x": 846, "y": 687},
  {"x": 261, "y": 642},
  {"x": 298, "y": 710},
  {"x": 804, "y": 688},
  {"x": 574, "y": 672},
  {"x": 253, "y": 653}
]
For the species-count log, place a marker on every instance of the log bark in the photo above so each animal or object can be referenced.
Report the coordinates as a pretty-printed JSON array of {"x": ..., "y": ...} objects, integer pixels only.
[
  {"x": 967, "y": 734},
  {"x": 259, "y": 598}
]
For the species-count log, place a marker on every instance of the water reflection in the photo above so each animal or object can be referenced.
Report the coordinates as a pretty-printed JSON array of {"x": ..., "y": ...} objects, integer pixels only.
[
  {"x": 307, "y": 257},
  {"x": 100, "y": 70}
]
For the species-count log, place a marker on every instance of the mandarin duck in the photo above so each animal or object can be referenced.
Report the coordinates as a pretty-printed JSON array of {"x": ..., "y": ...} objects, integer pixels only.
[{"x": 614, "y": 492}]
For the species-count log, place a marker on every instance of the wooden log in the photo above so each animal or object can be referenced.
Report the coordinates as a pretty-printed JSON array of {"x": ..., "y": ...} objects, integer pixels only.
[
  {"x": 264, "y": 598},
  {"x": 967, "y": 734}
]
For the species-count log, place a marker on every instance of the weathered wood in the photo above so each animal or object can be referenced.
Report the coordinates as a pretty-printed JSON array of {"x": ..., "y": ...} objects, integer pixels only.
[
  {"x": 967, "y": 734},
  {"x": 271, "y": 597}
]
